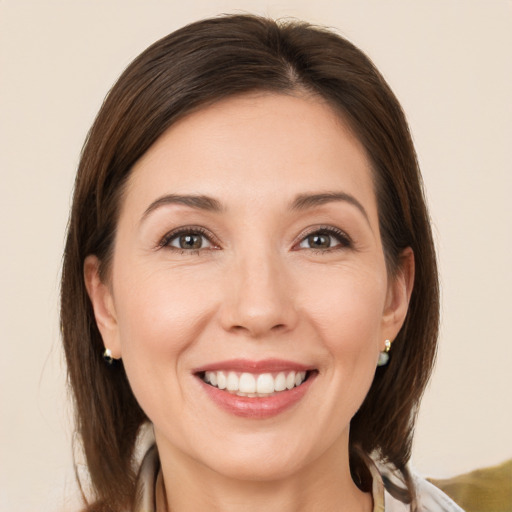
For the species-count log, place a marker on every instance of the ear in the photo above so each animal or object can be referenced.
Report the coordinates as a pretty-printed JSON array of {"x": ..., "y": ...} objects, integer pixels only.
[
  {"x": 399, "y": 293},
  {"x": 103, "y": 305}
]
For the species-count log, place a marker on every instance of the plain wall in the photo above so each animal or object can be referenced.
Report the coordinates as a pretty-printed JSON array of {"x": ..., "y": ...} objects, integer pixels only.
[{"x": 449, "y": 62}]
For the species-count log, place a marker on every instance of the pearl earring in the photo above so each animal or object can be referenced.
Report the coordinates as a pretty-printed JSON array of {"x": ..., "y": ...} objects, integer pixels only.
[
  {"x": 384, "y": 355},
  {"x": 108, "y": 358}
]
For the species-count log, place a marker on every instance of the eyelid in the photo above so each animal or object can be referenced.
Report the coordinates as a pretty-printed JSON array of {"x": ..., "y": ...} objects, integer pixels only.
[
  {"x": 345, "y": 241},
  {"x": 341, "y": 236},
  {"x": 183, "y": 230}
]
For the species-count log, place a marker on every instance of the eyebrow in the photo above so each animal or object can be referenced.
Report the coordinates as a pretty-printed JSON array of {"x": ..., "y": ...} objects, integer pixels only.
[
  {"x": 306, "y": 201},
  {"x": 199, "y": 202},
  {"x": 301, "y": 202}
]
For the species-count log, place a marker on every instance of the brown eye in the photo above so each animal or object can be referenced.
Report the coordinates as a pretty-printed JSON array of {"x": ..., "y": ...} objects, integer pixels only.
[
  {"x": 187, "y": 241},
  {"x": 190, "y": 241},
  {"x": 326, "y": 239},
  {"x": 319, "y": 241}
]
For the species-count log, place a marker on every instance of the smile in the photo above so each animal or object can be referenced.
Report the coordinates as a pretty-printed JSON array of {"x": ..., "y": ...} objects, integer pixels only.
[
  {"x": 256, "y": 389},
  {"x": 254, "y": 385}
]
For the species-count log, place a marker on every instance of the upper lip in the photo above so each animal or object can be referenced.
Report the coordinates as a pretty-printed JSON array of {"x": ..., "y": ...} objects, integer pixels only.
[{"x": 246, "y": 365}]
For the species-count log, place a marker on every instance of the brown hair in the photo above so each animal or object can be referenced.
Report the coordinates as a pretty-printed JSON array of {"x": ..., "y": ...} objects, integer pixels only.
[{"x": 200, "y": 64}]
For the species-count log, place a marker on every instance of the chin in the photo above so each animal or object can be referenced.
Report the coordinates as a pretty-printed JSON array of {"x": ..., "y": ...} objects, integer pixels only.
[
  {"x": 260, "y": 467},
  {"x": 259, "y": 457}
]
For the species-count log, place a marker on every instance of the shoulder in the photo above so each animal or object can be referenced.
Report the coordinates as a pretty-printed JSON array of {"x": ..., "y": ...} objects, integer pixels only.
[
  {"x": 432, "y": 499},
  {"x": 428, "y": 497}
]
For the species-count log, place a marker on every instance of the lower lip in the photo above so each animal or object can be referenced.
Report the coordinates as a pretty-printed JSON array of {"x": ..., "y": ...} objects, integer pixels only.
[{"x": 258, "y": 407}]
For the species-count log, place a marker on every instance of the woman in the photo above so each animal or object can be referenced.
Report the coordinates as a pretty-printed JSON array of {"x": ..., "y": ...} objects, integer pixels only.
[{"x": 250, "y": 270}]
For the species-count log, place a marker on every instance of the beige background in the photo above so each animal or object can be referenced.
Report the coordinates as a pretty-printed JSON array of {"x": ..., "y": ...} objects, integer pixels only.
[{"x": 449, "y": 63}]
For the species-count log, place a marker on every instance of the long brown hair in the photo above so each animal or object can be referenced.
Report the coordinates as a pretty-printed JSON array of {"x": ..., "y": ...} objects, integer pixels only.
[{"x": 198, "y": 65}]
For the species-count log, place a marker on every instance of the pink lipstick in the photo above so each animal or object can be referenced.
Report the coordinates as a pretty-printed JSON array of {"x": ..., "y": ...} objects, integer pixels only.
[{"x": 256, "y": 389}]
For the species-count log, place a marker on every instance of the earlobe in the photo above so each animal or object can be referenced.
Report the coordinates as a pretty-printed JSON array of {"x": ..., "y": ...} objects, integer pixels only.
[
  {"x": 102, "y": 301},
  {"x": 399, "y": 293}
]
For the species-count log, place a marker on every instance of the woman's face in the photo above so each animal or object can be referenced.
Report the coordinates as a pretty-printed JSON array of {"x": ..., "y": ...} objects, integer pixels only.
[{"x": 248, "y": 255}]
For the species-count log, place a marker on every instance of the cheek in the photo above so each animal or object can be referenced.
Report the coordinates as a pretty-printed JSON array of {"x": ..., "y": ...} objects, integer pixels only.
[
  {"x": 159, "y": 317},
  {"x": 346, "y": 313},
  {"x": 347, "y": 307},
  {"x": 160, "y": 314}
]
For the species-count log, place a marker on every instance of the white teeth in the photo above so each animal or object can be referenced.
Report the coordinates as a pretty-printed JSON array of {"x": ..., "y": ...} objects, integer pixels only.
[
  {"x": 221, "y": 380},
  {"x": 254, "y": 385},
  {"x": 299, "y": 378},
  {"x": 232, "y": 382},
  {"x": 247, "y": 383},
  {"x": 265, "y": 383},
  {"x": 280, "y": 382},
  {"x": 211, "y": 377}
]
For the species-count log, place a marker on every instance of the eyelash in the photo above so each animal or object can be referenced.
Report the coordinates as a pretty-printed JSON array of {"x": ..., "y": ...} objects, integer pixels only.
[
  {"x": 344, "y": 241},
  {"x": 188, "y": 230}
]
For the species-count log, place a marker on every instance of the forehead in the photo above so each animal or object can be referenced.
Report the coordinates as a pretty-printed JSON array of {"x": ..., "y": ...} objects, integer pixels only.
[{"x": 254, "y": 148}]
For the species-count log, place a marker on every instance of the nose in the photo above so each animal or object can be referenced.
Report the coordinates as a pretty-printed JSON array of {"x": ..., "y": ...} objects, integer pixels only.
[{"x": 259, "y": 298}]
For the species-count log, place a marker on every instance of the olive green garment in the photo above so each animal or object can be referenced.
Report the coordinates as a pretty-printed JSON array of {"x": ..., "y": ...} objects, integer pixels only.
[{"x": 482, "y": 490}]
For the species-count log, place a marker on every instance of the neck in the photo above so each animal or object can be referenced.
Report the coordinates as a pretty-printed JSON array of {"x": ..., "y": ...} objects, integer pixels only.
[{"x": 323, "y": 484}]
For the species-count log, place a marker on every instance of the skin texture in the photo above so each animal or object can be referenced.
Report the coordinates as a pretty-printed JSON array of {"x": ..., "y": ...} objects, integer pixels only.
[{"x": 256, "y": 289}]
